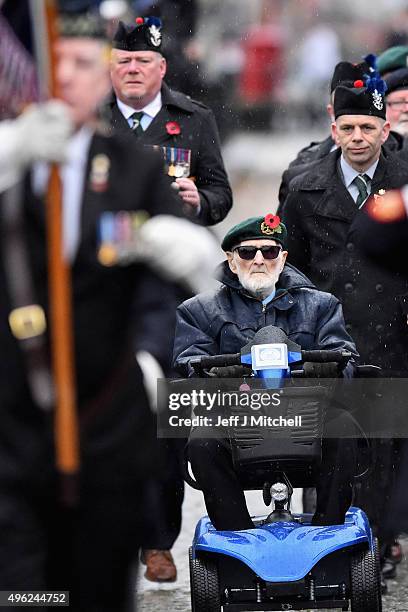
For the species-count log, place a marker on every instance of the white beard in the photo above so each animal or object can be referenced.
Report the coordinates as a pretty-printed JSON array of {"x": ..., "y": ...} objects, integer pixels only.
[
  {"x": 259, "y": 285},
  {"x": 401, "y": 128}
]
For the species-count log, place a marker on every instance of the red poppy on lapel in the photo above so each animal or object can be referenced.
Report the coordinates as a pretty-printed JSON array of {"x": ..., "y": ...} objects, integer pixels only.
[{"x": 173, "y": 128}]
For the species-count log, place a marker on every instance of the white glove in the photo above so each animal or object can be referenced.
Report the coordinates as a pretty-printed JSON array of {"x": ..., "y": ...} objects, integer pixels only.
[
  {"x": 41, "y": 133},
  {"x": 151, "y": 371},
  {"x": 180, "y": 251}
]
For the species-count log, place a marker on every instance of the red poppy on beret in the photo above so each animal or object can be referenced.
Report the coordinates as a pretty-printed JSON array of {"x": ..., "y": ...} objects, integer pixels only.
[{"x": 272, "y": 221}]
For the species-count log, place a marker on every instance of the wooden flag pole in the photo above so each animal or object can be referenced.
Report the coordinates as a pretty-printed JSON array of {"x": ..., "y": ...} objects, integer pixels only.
[{"x": 60, "y": 308}]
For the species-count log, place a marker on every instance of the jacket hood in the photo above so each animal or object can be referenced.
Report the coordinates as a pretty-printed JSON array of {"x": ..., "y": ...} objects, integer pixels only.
[{"x": 290, "y": 278}]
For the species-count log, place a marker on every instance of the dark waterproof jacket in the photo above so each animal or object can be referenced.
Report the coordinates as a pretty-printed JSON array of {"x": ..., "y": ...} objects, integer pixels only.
[
  {"x": 323, "y": 242},
  {"x": 199, "y": 134},
  {"x": 223, "y": 321}
]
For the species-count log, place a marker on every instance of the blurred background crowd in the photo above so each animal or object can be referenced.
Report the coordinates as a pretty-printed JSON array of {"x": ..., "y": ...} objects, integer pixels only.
[
  {"x": 263, "y": 64},
  {"x": 263, "y": 67}
]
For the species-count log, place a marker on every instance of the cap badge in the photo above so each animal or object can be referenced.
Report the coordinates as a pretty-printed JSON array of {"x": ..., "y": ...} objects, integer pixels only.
[
  {"x": 378, "y": 100},
  {"x": 155, "y": 36}
]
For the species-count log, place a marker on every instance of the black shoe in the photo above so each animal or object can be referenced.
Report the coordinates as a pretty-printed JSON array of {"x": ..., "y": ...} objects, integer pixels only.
[
  {"x": 384, "y": 587},
  {"x": 388, "y": 568}
]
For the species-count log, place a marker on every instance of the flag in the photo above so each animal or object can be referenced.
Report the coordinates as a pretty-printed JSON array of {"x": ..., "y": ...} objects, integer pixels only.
[{"x": 18, "y": 77}]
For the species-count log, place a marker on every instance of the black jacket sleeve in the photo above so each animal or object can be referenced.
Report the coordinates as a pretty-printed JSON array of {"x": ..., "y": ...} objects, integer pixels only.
[
  {"x": 211, "y": 180},
  {"x": 298, "y": 245}
]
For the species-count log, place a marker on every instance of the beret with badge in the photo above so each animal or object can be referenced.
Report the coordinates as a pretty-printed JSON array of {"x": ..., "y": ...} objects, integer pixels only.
[
  {"x": 255, "y": 228},
  {"x": 392, "y": 59},
  {"x": 397, "y": 80},
  {"x": 366, "y": 97},
  {"x": 146, "y": 35}
]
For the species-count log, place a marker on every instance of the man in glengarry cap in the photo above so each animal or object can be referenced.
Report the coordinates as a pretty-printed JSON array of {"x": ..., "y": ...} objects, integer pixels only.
[
  {"x": 185, "y": 128},
  {"x": 320, "y": 213}
]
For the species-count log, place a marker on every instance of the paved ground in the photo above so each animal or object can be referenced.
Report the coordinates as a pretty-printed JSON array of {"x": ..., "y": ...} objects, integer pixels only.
[{"x": 255, "y": 163}]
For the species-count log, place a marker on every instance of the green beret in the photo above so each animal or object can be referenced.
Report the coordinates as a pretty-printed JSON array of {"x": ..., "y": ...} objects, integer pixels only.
[
  {"x": 392, "y": 59},
  {"x": 255, "y": 228},
  {"x": 398, "y": 79}
]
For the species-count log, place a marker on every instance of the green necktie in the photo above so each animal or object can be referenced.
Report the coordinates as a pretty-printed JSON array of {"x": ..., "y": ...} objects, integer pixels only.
[
  {"x": 361, "y": 182},
  {"x": 136, "y": 126}
]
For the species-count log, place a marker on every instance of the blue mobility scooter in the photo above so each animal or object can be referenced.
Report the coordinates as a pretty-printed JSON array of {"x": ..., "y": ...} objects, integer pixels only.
[{"x": 284, "y": 563}]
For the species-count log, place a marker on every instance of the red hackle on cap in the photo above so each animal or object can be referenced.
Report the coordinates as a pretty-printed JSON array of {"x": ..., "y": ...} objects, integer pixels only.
[
  {"x": 139, "y": 20},
  {"x": 358, "y": 83}
]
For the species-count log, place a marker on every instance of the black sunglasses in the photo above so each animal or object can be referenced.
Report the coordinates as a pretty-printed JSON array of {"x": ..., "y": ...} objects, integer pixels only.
[{"x": 249, "y": 252}]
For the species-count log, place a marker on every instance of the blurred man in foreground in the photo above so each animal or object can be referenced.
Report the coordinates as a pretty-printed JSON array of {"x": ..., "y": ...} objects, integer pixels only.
[{"x": 89, "y": 550}]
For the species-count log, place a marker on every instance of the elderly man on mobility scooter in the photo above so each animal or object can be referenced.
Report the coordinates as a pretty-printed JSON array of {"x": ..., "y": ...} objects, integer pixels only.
[
  {"x": 259, "y": 289},
  {"x": 283, "y": 562}
]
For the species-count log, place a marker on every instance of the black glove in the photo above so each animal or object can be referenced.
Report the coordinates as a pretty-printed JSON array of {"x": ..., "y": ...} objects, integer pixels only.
[
  {"x": 331, "y": 369},
  {"x": 236, "y": 371}
]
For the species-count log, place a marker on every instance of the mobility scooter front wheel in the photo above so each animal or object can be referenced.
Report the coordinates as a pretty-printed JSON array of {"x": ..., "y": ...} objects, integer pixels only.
[
  {"x": 365, "y": 581},
  {"x": 204, "y": 583}
]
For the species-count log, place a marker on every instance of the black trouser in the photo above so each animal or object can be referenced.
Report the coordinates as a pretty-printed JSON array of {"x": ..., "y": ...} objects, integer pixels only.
[
  {"x": 373, "y": 494},
  {"x": 165, "y": 496},
  {"x": 91, "y": 552},
  {"x": 395, "y": 520},
  {"x": 211, "y": 462}
]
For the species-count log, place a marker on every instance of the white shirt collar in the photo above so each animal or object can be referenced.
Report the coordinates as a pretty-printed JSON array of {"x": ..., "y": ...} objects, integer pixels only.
[
  {"x": 78, "y": 145},
  {"x": 349, "y": 173},
  {"x": 151, "y": 109}
]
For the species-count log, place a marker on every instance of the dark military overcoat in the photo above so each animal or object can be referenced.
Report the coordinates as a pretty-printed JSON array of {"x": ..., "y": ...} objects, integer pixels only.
[
  {"x": 310, "y": 157},
  {"x": 322, "y": 242},
  {"x": 198, "y": 132}
]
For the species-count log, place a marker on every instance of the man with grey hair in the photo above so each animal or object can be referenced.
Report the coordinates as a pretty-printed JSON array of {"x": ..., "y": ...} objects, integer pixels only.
[{"x": 157, "y": 116}]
